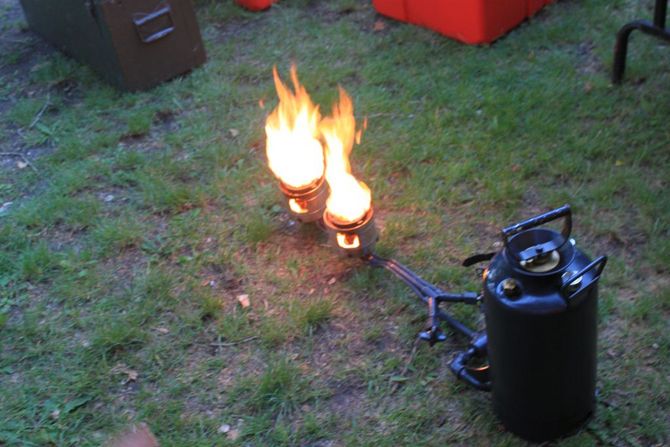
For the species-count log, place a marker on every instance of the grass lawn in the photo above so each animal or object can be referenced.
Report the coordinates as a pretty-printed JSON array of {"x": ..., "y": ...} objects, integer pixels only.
[{"x": 140, "y": 218}]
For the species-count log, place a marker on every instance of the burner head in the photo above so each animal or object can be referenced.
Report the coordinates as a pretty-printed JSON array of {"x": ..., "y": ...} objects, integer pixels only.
[
  {"x": 353, "y": 239},
  {"x": 306, "y": 204}
]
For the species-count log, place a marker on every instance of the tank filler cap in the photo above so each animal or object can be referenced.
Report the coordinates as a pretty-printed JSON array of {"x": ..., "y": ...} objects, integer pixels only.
[
  {"x": 511, "y": 288},
  {"x": 543, "y": 262}
]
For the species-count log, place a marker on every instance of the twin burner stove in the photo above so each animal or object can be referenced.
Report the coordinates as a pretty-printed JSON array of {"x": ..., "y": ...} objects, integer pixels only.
[
  {"x": 539, "y": 300},
  {"x": 538, "y": 295}
]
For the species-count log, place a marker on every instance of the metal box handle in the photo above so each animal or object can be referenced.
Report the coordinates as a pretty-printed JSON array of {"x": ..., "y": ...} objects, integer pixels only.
[{"x": 143, "y": 24}]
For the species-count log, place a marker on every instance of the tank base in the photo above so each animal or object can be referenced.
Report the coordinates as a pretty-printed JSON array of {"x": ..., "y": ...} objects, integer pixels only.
[{"x": 542, "y": 431}]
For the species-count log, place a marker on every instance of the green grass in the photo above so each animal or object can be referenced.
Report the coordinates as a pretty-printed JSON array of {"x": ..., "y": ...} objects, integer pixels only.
[
  {"x": 309, "y": 316},
  {"x": 149, "y": 213},
  {"x": 36, "y": 262},
  {"x": 112, "y": 236}
]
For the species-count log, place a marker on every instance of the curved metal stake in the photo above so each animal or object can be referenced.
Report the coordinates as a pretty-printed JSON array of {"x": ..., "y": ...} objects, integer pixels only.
[{"x": 656, "y": 29}]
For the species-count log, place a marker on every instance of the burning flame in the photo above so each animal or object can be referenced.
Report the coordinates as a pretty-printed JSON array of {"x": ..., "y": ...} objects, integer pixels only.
[
  {"x": 297, "y": 206},
  {"x": 349, "y": 199},
  {"x": 348, "y": 240},
  {"x": 294, "y": 152}
]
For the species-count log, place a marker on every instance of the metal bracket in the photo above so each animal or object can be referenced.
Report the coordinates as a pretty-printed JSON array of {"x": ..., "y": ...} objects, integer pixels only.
[{"x": 598, "y": 265}]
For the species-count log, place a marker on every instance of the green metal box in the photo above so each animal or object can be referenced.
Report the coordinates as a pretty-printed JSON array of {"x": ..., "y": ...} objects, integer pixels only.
[{"x": 134, "y": 44}]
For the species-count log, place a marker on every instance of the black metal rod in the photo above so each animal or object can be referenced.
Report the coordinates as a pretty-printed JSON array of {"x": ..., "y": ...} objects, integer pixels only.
[
  {"x": 428, "y": 293},
  {"x": 455, "y": 324},
  {"x": 660, "y": 13},
  {"x": 433, "y": 296},
  {"x": 417, "y": 283},
  {"x": 406, "y": 275},
  {"x": 656, "y": 29}
]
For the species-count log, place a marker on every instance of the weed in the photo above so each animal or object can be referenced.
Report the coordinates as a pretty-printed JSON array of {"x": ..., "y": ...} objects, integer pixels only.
[
  {"x": 36, "y": 262},
  {"x": 281, "y": 388},
  {"x": 157, "y": 286},
  {"x": 234, "y": 326},
  {"x": 210, "y": 305},
  {"x": 308, "y": 316},
  {"x": 274, "y": 332},
  {"x": 139, "y": 122},
  {"x": 120, "y": 334},
  {"x": 257, "y": 228},
  {"x": 115, "y": 235},
  {"x": 24, "y": 111},
  {"x": 55, "y": 209},
  {"x": 162, "y": 195}
]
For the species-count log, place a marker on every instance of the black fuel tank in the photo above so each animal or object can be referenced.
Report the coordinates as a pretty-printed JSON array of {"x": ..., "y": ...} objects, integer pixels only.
[{"x": 540, "y": 303}]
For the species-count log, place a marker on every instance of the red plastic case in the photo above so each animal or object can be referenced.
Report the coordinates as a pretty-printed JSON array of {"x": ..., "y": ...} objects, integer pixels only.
[
  {"x": 470, "y": 21},
  {"x": 255, "y": 5}
]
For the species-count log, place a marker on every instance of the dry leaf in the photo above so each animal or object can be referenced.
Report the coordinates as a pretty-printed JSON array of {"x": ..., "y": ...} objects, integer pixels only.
[
  {"x": 379, "y": 26},
  {"x": 332, "y": 281},
  {"x": 261, "y": 103},
  {"x": 244, "y": 300},
  {"x": 233, "y": 434},
  {"x": 233, "y": 132},
  {"x": 21, "y": 164},
  {"x": 163, "y": 330},
  {"x": 131, "y": 374},
  {"x": 225, "y": 428},
  {"x": 137, "y": 436}
]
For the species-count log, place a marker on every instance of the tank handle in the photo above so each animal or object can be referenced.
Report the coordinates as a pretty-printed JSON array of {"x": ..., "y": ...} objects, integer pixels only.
[
  {"x": 554, "y": 244},
  {"x": 598, "y": 265}
]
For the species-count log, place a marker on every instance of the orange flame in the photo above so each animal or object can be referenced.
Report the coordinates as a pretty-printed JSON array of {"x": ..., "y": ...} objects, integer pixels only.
[
  {"x": 348, "y": 240},
  {"x": 349, "y": 199},
  {"x": 297, "y": 206},
  {"x": 294, "y": 152}
]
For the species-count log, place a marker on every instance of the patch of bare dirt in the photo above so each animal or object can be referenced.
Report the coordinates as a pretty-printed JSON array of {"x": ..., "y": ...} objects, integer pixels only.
[{"x": 589, "y": 62}]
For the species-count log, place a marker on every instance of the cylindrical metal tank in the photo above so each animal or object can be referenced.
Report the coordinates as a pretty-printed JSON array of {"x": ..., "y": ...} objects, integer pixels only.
[{"x": 540, "y": 304}]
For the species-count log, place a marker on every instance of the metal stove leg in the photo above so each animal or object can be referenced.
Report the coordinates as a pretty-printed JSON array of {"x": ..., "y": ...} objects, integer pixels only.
[
  {"x": 660, "y": 13},
  {"x": 620, "y": 52},
  {"x": 657, "y": 29}
]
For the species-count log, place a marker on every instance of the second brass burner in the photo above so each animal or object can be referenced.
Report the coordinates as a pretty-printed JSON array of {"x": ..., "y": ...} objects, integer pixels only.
[{"x": 356, "y": 239}]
